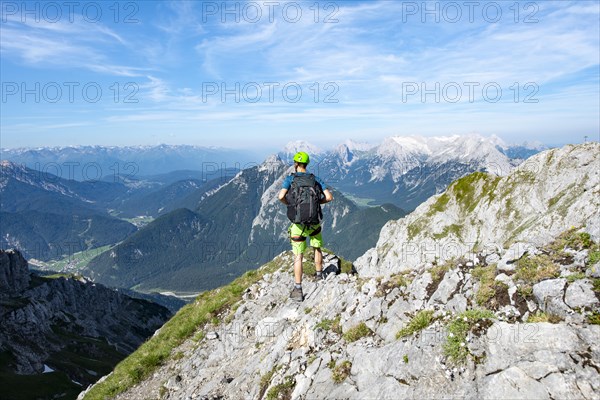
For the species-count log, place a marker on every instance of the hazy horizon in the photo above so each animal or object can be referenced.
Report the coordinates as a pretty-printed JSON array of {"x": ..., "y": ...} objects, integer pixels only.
[{"x": 274, "y": 148}]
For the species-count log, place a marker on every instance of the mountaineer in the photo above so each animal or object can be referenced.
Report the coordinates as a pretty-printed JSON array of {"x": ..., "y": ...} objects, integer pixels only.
[{"x": 303, "y": 193}]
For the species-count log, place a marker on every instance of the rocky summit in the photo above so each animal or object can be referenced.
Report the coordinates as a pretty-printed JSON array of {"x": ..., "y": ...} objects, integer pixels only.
[{"x": 516, "y": 318}]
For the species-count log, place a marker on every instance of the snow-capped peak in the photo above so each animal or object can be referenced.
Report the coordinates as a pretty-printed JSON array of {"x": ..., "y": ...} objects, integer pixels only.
[
  {"x": 301, "y": 145},
  {"x": 357, "y": 146}
]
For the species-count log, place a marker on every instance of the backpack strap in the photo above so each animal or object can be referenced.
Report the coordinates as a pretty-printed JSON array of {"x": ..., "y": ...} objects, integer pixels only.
[{"x": 316, "y": 231}]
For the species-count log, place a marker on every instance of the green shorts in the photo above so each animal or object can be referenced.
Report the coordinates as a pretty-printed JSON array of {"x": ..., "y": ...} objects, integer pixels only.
[{"x": 299, "y": 233}]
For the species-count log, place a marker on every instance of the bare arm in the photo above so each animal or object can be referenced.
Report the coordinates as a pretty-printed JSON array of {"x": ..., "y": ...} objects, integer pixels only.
[
  {"x": 328, "y": 197},
  {"x": 281, "y": 196}
]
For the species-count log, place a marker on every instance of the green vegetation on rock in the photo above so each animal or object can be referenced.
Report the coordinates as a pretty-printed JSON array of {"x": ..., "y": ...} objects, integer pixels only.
[
  {"x": 341, "y": 371},
  {"x": 422, "y": 320},
  {"x": 356, "y": 332},
  {"x": 395, "y": 281},
  {"x": 541, "y": 316},
  {"x": 265, "y": 381},
  {"x": 488, "y": 287},
  {"x": 533, "y": 269},
  {"x": 449, "y": 229},
  {"x": 456, "y": 348},
  {"x": 330, "y": 325},
  {"x": 283, "y": 390}
]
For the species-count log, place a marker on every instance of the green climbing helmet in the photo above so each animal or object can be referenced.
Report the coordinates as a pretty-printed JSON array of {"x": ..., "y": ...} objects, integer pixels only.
[{"x": 301, "y": 157}]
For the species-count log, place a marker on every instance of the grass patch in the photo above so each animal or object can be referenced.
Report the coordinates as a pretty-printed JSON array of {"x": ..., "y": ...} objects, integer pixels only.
[
  {"x": 553, "y": 201},
  {"x": 405, "y": 358},
  {"x": 422, "y": 320},
  {"x": 485, "y": 294},
  {"x": 541, "y": 316},
  {"x": 395, "y": 281},
  {"x": 596, "y": 285},
  {"x": 330, "y": 325},
  {"x": 455, "y": 347},
  {"x": 526, "y": 291},
  {"x": 573, "y": 240},
  {"x": 594, "y": 319},
  {"x": 265, "y": 381},
  {"x": 199, "y": 336},
  {"x": 453, "y": 229},
  {"x": 307, "y": 310},
  {"x": 465, "y": 188},
  {"x": 162, "y": 392},
  {"x": 347, "y": 267},
  {"x": 438, "y": 271},
  {"x": 341, "y": 371},
  {"x": 416, "y": 227},
  {"x": 487, "y": 290},
  {"x": 533, "y": 269},
  {"x": 283, "y": 390},
  {"x": 579, "y": 241},
  {"x": 356, "y": 332},
  {"x": 439, "y": 205},
  {"x": 153, "y": 353},
  {"x": 593, "y": 257},
  {"x": 575, "y": 277}
]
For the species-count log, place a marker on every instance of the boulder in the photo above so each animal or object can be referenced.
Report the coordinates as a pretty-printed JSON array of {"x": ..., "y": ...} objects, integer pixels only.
[{"x": 580, "y": 294}]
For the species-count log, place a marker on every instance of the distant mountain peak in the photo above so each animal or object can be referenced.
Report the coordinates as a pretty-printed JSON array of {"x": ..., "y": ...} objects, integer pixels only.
[
  {"x": 357, "y": 146},
  {"x": 301, "y": 145}
]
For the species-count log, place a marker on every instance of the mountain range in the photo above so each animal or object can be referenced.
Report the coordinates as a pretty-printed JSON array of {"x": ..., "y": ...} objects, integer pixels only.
[
  {"x": 232, "y": 228},
  {"x": 126, "y": 163},
  {"x": 407, "y": 170},
  {"x": 48, "y": 217},
  {"x": 490, "y": 289}
]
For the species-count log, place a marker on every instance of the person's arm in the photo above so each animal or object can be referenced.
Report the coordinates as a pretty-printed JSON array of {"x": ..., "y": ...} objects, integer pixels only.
[
  {"x": 328, "y": 196},
  {"x": 281, "y": 196}
]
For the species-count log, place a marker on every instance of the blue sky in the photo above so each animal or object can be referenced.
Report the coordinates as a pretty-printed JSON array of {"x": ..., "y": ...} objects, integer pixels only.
[{"x": 261, "y": 74}]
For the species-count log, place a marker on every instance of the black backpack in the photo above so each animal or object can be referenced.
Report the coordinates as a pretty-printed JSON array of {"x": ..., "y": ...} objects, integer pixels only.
[{"x": 304, "y": 200}]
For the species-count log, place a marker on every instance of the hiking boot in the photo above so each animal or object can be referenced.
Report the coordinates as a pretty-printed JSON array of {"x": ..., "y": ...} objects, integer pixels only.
[
  {"x": 318, "y": 278},
  {"x": 297, "y": 294}
]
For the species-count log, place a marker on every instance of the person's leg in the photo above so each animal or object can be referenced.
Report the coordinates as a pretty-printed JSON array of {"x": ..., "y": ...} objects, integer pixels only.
[
  {"x": 318, "y": 259},
  {"x": 316, "y": 241},
  {"x": 298, "y": 243},
  {"x": 298, "y": 269}
]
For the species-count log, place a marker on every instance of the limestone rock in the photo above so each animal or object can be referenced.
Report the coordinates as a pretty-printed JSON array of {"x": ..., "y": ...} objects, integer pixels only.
[
  {"x": 580, "y": 294},
  {"x": 14, "y": 273},
  {"x": 549, "y": 296}
]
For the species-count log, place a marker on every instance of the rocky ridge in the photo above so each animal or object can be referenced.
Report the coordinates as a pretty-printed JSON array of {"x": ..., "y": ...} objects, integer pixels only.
[
  {"x": 519, "y": 319},
  {"x": 52, "y": 323},
  {"x": 14, "y": 276},
  {"x": 498, "y": 216},
  {"x": 421, "y": 334}
]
